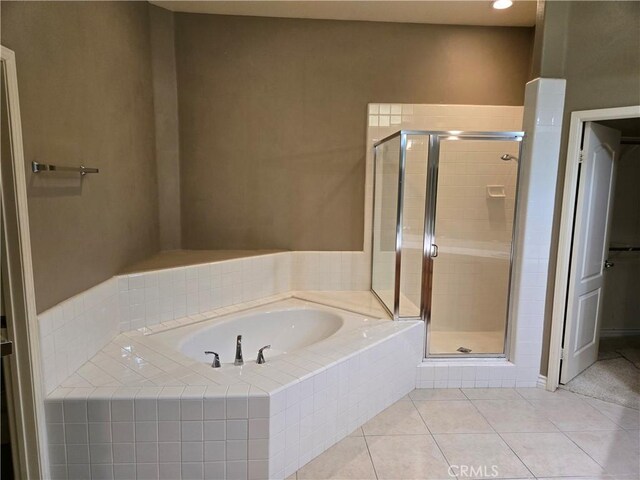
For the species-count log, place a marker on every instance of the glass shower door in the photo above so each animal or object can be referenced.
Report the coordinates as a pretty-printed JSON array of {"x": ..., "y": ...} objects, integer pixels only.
[
  {"x": 385, "y": 221},
  {"x": 473, "y": 230}
]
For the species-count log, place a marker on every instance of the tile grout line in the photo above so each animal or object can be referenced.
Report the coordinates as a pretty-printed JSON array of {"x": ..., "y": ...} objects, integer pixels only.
[
  {"x": 432, "y": 437},
  {"x": 516, "y": 454},
  {"x": 604, "y": 471},
  {"x": 375, "y": 472},
  {"x": 500, "y": 436}
]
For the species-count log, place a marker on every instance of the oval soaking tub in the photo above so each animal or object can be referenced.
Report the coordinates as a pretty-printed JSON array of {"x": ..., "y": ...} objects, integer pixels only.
[{"x": 285, "y": 326}]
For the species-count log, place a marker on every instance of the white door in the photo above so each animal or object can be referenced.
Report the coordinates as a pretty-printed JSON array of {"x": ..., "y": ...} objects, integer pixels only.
[{"x": 590, "y": 249}]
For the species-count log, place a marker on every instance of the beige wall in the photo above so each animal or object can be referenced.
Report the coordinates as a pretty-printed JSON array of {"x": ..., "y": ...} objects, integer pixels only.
[
  {"x": 165, "y": 102},
  {"x": 86, "y": 98},
  {"x": 273, "y": 111},
  {"x": 594, "y": 45}
]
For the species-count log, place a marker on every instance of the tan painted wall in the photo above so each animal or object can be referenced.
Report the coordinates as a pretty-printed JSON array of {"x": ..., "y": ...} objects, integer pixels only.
[
  {"x": 86, "y": 98},
  {"x": 595, "y": 46},
  {"x": 165, "y": 102},
  {"x": 273, "y": 111}
]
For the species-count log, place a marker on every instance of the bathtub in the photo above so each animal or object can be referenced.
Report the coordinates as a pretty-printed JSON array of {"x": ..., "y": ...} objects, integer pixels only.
[
  {"x": 330, "y": 370},
  {"x": 286, "y": 326}
]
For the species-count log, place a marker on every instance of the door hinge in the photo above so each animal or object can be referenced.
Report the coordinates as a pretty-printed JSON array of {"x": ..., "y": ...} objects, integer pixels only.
[
  {"x": 563, "y": 353},
  {"x": 581, "y": 156}
]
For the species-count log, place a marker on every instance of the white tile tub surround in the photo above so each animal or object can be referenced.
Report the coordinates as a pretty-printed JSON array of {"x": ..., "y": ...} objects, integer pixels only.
[
  {"x": 149, "y": 298},
  {"x": 258, "y": 422},
  {"x": 73, "y": 331},
  {"x": 544, "y": 103},
  {"x": 76, "y": 329}
]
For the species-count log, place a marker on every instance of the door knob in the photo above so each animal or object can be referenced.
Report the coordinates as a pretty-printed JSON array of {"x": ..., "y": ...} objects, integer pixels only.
[{"x": 608, "y": 264}]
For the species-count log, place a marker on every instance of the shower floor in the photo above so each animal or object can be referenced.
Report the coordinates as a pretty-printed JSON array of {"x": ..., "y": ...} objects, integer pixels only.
[
  {"x": 478, "y": 342},
  {"x": 448, "y": 342}
]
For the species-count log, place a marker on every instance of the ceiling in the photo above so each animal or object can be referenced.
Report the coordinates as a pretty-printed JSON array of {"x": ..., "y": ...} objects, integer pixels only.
[{"x": 457, "y": 12}]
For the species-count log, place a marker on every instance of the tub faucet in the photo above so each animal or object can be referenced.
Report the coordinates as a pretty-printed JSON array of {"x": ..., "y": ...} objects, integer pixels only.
[
  {"x": 260, "y": 360},
  {"x": 238, "y": 360},
  {"x": 216, "y": 359}
]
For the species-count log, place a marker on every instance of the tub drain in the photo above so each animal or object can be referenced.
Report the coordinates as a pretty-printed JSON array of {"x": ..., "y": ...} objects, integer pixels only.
[{"x": 464, "y": 350}]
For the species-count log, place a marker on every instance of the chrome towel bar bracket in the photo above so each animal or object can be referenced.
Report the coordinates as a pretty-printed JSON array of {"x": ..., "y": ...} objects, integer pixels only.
[{"x": 43, "y": 167}]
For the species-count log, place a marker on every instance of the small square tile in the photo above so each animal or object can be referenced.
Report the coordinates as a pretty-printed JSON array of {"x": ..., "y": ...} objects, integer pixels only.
[
  {"x": 192, "y": 471},
  {"x": 237, "y": 430},
  {"x": 168, "y": 431},
  {"x": 101, "y": 453},
  {"x": 215, "y": 430},
  {"x": 76, "y": 433},
  {"x": 169, "y": 471},
  {"x": 169, "y": 451},
  {"x": 77, "y": 454},
  {"x": 236, "y": 449},
  {"x": 192, "y": 451},
  {"x": 124, "y": 472},
  {"x": 146, "y": 432},
  {"x": 100, "y": 432},
  {"x": 214, "y": 471},
  {"x": 191, "y": 409},
  {"x": 123, "y": 432},
  {"x": 214, "y": 451},
  {"x": 124, "y": 452},
  {"x": 192, "y": 431},
  {"x": 146, "y": 452}
]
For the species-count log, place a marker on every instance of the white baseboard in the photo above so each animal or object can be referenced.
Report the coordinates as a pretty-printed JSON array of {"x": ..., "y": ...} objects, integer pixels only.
[
  {"x": 605, "y": 333},
  {"x": 542, "y": 381}
]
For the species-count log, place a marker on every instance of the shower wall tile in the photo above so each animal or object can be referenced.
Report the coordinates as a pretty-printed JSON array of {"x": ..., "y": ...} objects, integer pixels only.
[{"x": 462, "y": 192}]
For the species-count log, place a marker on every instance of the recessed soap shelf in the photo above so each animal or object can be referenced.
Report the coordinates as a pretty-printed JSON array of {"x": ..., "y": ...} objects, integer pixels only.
[{"x": 495, "y": 191}]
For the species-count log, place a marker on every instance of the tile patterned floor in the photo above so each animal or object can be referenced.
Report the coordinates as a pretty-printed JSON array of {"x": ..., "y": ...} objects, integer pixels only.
[{"x": 494, "y": 433}]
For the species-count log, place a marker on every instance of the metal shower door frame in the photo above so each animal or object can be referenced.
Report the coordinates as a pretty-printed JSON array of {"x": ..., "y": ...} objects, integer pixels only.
[{"x": 429, "y": 239}]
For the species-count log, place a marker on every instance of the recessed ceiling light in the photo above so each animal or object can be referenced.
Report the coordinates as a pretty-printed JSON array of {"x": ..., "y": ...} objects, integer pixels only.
[{"x": 502, "y": 4}]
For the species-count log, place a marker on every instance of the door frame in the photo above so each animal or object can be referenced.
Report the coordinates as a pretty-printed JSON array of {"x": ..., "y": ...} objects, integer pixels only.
[
  {"x": 25, "y": 363},
  {"x": 565, "y": 241}
]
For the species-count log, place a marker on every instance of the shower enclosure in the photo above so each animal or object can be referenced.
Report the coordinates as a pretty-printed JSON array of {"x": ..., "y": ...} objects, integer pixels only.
[{"x": 443, "y": 224}]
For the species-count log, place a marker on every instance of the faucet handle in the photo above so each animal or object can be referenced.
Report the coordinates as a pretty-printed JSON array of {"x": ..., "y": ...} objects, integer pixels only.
[
  {"x": 216, "y": 359},
  {"x": 260, "y": 360}
]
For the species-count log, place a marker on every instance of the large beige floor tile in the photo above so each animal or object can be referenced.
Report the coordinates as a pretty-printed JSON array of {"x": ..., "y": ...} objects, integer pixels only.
[
  {"x": 357, "y": 432},
  {"x": 513, "y": 416},
  {"x": 627, "y": 418},
  {"x": 407, "y": 457},
  {"x": 401, "y": 418},
  {"x": 551, "y": 454},
  {"x": 347, "y": 459},
  {"x": 491, "y": 394},
  {"x": 617, "y": 451},
  {"x": 573, "y": 414},
  {"x": 437, "y": 394},
  {"x": 455, "y": 416},
  {"x": 483, "y": 455}
]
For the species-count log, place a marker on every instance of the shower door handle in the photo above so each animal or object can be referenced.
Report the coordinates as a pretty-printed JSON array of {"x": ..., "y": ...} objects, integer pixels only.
[{"x": 434, "y": 250}]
